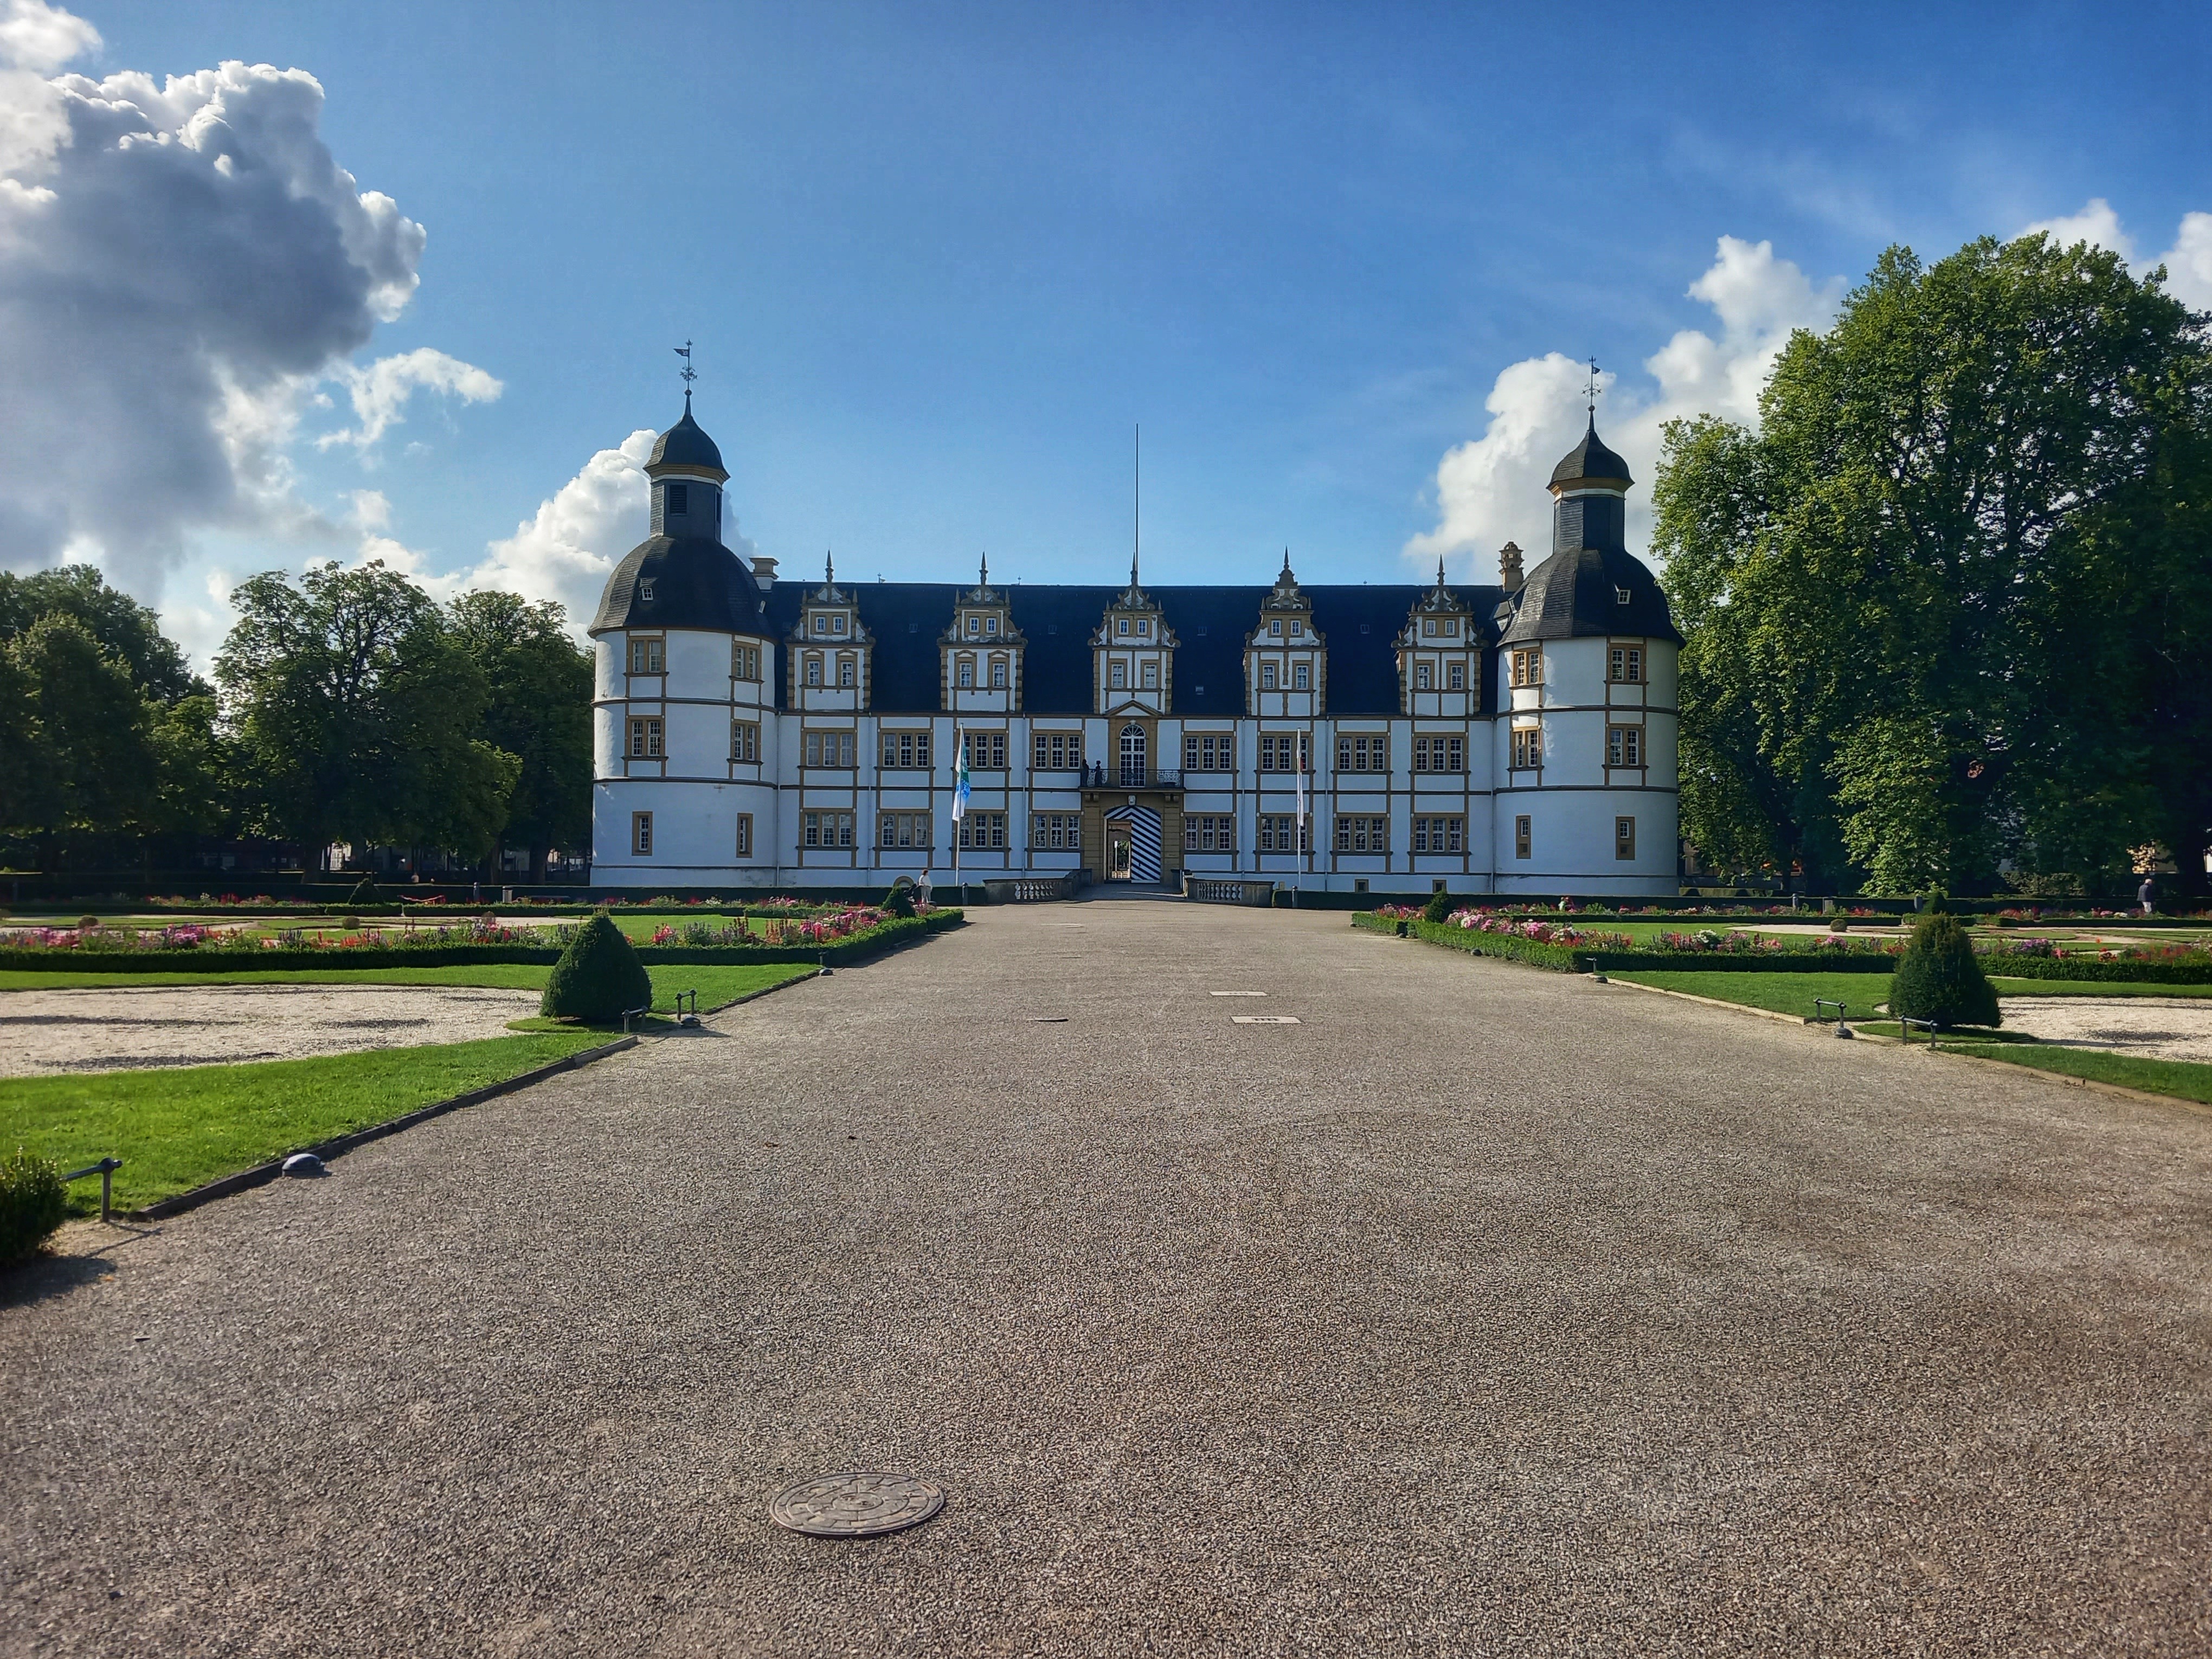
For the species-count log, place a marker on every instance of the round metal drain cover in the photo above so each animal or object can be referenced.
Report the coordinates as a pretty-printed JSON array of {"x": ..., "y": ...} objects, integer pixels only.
[{"x": 856, "y": 1505}]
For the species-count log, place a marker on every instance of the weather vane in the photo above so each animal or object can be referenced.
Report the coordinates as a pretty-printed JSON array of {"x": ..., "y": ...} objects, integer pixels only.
[
  {"x": 1593, "y": 389},
  {"x": 687, "y": 372}
]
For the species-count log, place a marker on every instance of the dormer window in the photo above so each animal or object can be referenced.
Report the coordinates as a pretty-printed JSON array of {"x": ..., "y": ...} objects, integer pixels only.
[
  {"x": 1276, "y": 629},
  {"x": 1620, "y": 596},
  {"x": 1125, "y": 624},
  {"x": 822, "y": 624},
  {"x": 1429, "y": 627},
  {"x": 975, "y": 626},
  {"x": 991, "y": 627},
  {"x": 645, "y": 590},
  {"x": 679, "y": 499},
  {"x": 1143, "y": 629},
  {"x": 1297, "y": 630},
  {"x": 837, "y": 625},
  {"x": 1451, "y": 630}
]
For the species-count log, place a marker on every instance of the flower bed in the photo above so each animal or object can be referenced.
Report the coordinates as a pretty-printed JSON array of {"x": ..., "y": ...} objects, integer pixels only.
[{"x": 471, "y": 945}]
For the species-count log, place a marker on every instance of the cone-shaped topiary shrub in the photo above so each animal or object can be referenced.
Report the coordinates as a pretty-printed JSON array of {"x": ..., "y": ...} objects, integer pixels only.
[
  {"x": 899, "y": 902},
  {"x": 598, "y": 976},
  {"x": 31, "y": 1201},
  {"x": 1439, "y": 907},
  {"x": 364, "y": 893},
  {"x": 1938, "y": 979}
]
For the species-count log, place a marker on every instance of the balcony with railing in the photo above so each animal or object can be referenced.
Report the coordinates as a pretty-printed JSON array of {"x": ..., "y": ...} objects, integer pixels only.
[{"x": 1126, "y": 775}]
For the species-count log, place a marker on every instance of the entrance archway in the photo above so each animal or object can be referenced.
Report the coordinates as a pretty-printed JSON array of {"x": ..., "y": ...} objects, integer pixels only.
[{"x": 1132, "y": 844}]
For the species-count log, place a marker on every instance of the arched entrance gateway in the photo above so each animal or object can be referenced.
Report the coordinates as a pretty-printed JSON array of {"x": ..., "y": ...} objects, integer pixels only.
[{"x": 1133, "y": 843}]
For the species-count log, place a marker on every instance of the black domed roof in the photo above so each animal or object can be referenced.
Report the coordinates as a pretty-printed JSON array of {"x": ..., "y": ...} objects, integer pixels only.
[
  {"x": 685, "y": 444},
  {"x": 1590, "y": 458},
  {"x": 681, "y": 581},
  {"x": 1577, "y": 593}
]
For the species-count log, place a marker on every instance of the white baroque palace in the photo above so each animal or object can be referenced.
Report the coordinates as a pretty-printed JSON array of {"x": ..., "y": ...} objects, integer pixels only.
[{"x": 753, "y": 732}]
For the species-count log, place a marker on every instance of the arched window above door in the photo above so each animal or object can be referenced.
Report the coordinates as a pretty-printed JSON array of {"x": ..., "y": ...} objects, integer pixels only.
[{"x": 1133, "y": 755}]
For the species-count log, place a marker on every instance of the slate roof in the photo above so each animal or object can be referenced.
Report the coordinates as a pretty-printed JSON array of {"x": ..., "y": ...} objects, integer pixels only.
[
  {"x": 685, "y": 444},
  {"x": 1590, "y": 458},
  {"x": 1574, "y": 595},
  {"x": 1209, "y": 623},
  {"x": 694, "y": 582}
]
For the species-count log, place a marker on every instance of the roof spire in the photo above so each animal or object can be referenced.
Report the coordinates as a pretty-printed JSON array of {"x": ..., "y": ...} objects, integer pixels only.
[
  {"x": 983, "y": 577},
  {"x": 1593, "y": 394},
  {"x": 687, "y": 374},
  {"x": 829, "y": 569},
  {"x": 1440, "y": 570}
]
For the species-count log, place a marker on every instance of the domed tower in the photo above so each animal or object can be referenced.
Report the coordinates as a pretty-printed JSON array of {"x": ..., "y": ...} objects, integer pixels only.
[
  {"x": 1587, "y": 798},
  {"x": 684, "y": 729}
]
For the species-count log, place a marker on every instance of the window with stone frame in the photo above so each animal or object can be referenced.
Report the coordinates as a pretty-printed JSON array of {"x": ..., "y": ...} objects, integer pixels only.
[
  {"x": 1056, "y": 751},
  {"x": 1624, "y": 664},
  {"x": 744, "y": 662},
  {"x": 1359, "y": 751},
  {"x": 1285, "y": 752},
  {"x": 1283, "y": 832},
  {"x": 1439, "y": 834},
  {"x": 648, "y": 656},
  {"x": 987, "y": 751},
  {"x": 1527, "y": 748},
  {"x": 1524, "y": 836},
  {"x": 1362, "y": 833},
  {"x": 1624, "y": 746},
  {"x": 1440, "y": 754},
  {"x": 900, "y": 830},
  {"x": 1209, "y": 751},
  {"x": 984, "y": 832},
  {"x": 744, "y": 834},
  {"x": 905, "y": 749},
  {"x": 1209, "y": 832},
  {"x": 744, "y": 742},
  {"x": 1624, "y": 838},
  {"x": 835, "y": 749},
  {"x": 640, "y": 834},
  {"x": 645, "y": 737},
  {"x": 1525, "y": 667},
  {"x": 829, "y": 830},
  {"x": 1055, "y": 832}
]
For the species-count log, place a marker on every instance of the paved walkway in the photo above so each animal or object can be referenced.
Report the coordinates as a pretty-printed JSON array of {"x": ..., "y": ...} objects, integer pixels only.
[{"x": 1486, "y": 1310}]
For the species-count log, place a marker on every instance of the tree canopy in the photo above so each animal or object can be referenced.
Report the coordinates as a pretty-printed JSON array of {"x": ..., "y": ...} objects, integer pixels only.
[{"x": 1937, "y": 607}]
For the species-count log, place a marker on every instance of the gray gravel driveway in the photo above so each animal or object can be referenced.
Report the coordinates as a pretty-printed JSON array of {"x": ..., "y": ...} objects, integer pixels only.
[{"x": 1485, "y": 1310}]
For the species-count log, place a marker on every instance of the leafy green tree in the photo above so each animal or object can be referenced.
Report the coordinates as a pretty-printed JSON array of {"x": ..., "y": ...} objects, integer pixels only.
[
  {"x": 539, "y": 711},
  {"x": 359, "y": 715},
  {"x": 126, "y": 629},
  {"x": 84, "y": 766},
  {"x": 1912, "y": 607}
]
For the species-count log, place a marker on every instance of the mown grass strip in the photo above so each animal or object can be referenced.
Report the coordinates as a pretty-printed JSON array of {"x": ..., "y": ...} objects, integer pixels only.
[
  {"x": 715, "y": 983},
  {"x": 1793, "y": 993},
  {"x": 174, "y": 1129},
  {"x": 2183, "y": 1079}
]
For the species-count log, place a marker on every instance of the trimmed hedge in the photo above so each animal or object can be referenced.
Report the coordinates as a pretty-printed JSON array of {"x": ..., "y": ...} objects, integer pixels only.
[
  {"x": 2121, "y": 971},
  {"x": 33, "y": 1200},
  {"x": 857, "y": 948}
]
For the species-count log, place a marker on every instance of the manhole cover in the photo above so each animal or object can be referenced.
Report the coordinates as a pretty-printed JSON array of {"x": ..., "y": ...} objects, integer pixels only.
[
  {"x": 1265, "y": 1020},
  {"x": 856, "y": 1505}
]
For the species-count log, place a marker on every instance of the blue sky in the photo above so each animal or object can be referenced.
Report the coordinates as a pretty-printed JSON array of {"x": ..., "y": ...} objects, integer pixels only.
[{"x": 938, "y": 260}]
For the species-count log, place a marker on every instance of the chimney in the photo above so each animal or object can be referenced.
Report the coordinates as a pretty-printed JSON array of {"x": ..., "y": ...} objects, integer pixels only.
[
  {"x": 764, "y": 573},
  {"x": 1508, "y": 568}
]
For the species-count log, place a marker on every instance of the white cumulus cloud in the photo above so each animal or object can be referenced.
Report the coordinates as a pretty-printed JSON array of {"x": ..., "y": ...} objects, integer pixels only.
[
  {"x": 182, "y": 263},
  {"x": 1491, "y": 489},
  {"x": 380, "y": 391}
]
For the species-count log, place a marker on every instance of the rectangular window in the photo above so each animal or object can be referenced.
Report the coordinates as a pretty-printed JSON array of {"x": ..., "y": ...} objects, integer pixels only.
[
  {"x": 1358, "y": 833},
  {"x": 648, "y": 656},
  {"x": 1266, "y": 677},
  {"x": 1527, "y": 748},
  {"x": 1440, "y": 754},
  {"x": 829, "y": 830},
  {"x": 1281, "y": 832},
  {"x": 831, "y": 749},
  {"x": 905, "y": 749},
  {"x": 984, "y": 832},
  {"x": 1424, "y": 676},
  {"x": 1301, "y": 677},
  {"x": 1209, "y": 832},
  {"x": 1209, "y": 751},
  {"x": 1527, "y": 667},
  {"x": 1624, "y": 838},
  {"x": 903, "y": 829},
  {"x": 987, "y": 751},
  {"x": 1117, "y": 674},
  {"x": 645, "y": 737},
  {"x": 1284, "y": 751},
  {"x": 1624, "y": 664},
  {"x": 1456, "y": 678},
  {"x": 1362, "y": 754},
  {"x": 1439, "y": 835},
  {"x": 965, "y": 675},
  {"x": 1055, "y": 832},
  {"x": 848, "y": 673},
  {"x": 744, "y": 741},
  {"x": 1152, "y": 676},
  {"x": 1056, "y": 751},
  {"x": 640, "y": 834},
  {"x": 998, "y": 673},
  {"x": 1522, "y": 839},
  {"x": 744, "y": 834},
  {"x": 744, "y": 662},
  {"x": 679, "y": 498},
  {"x": 1624, "y": 746},
  {"x": 813, "y": 668}
]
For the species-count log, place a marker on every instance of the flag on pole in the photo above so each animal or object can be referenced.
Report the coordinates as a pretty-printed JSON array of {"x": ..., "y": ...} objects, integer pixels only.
[
  {"x": 959, "y": 775},
  {"x": 1301, "y": 794}
]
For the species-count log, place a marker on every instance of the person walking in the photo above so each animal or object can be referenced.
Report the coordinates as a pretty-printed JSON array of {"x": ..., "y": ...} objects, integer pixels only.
[{"x": 2142, "y": 895}]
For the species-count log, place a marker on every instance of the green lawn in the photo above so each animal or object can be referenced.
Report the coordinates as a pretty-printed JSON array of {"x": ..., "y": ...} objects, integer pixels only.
[
  {"x": 716, "y": 984},
  {"x": 1793, "y": 993},
  {"x": 2186, "y": 1079},
  {"x": 1784, "y": 993},
  {"x": 176, "y": 1128}
]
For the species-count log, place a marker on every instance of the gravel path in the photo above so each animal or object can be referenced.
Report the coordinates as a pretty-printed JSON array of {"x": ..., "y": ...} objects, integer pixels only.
[
  {"x": 1486, "y": 1310},
  {"x": 52, "y": 1033},
  {"x": 2152, "y": 1028}
]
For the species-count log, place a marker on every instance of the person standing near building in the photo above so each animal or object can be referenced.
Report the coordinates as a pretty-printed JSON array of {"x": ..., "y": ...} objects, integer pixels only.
[{"x": 2143, "y": 894}]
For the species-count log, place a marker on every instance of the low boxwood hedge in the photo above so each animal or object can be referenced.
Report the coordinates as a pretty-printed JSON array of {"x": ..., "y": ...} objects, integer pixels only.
[
  {"x": 2120, "y": 970},
  {"x": 857, "y": 948}
]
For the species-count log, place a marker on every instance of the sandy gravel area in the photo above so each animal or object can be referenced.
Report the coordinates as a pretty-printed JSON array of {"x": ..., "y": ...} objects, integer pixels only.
[
  {"x": 2153, "y": 1027},
  {"x": 130, "y": 1028},
  {"x": 1485, "y": 1312}
]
